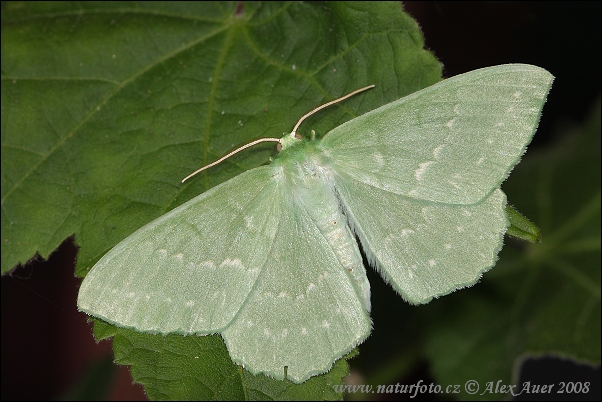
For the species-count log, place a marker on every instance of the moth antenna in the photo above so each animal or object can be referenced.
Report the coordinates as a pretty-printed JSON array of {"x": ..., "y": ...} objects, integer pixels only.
[
  {"x": 294, "y": 132},
  {"x": 237, "y": 150}
]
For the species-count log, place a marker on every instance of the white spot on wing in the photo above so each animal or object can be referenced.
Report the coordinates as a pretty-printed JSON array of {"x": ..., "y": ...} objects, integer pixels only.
[
  {"x": 207, "y": 264},
  {"x": 304, "y": 331},
  {"x": 235, "y": 263},
  {"x": 179, "y": 256},
  {"x": 432, "y": 263},
  {"x": 406, "y": 232},
  {"x": 450, "y": 123},
  {"x": 437, "y": 151},
  {"x": 325, "y": 324},
  {"x": 378, "y": 158},
  {"x": 456, "y": 185},
  {"x": 421, "y": 169},
  {"x": 310, "y": 287}
]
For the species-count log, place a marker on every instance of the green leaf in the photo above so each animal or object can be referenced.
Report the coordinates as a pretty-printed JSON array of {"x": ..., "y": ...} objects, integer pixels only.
[
  {"x": 105, "y": 117},
  {"x": 521, "y": 227},
  {"x": 107, "y": 106},
  {"x": 199, "y": 368}
]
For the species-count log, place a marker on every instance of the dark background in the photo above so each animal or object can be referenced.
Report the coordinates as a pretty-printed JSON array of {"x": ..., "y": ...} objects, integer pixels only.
[{"x": 48, "y": 351}]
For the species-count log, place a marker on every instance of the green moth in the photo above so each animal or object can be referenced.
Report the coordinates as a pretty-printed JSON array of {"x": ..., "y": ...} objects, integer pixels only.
[{"x": 269, "y": 259}]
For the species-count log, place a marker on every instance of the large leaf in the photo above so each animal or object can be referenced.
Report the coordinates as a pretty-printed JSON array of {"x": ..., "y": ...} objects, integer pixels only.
[
  {"x": 104, "y": 115},
  {"x": 107, "y": 106}
]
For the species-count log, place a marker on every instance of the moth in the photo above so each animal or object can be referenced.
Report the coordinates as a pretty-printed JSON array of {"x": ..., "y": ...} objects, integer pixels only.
[{"x": 269, "y": 259}]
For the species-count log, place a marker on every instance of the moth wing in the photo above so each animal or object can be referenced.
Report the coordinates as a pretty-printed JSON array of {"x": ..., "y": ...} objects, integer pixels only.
[
  {"x": 244, "y": 259},
  {"x": 190, "y": 270},
  {"x": 307, "y": 309},
  {"x": 424, "y": 249},
  {"x": 453, "y": 142}
]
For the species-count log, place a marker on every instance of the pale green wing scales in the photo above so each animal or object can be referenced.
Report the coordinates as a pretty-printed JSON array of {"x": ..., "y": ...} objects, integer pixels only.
[
  {"x": 266, "y": 258},
  {"x": 430, "y": 249},
  {"x": 453, "y": 142},
  {"x": 310, "y": 304},
  {"x": 191, "y": 270}
]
